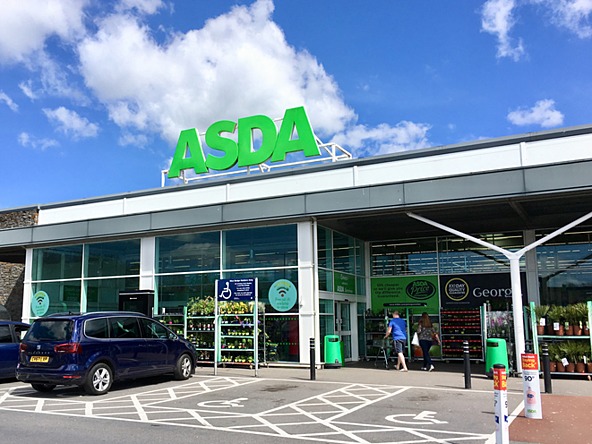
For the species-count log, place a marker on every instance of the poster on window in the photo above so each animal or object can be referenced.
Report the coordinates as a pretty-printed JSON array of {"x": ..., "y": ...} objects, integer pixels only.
[
  {"x": 405, "y": 290},
  {"x": 473, "y": 290}
]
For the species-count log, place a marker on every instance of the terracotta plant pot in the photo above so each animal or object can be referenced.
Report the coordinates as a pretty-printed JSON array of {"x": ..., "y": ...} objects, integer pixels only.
[
  {"x": 577, "y": 330},
  {"x": 540, "y": 330},
  {"x": 570, "y": 368},
  {"x": 580, "y": 367},
  {"x": 589, "y": 367},
  {"x": 553, "y": 366},
  {"x": 560, "y": 367},
  {"x": 561, "y": 331},
  {"x": 549, "y": 329},
  {"x": 569, "y": 330}
]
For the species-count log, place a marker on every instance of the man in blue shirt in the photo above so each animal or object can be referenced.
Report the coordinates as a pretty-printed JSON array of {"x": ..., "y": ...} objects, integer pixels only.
[{"x": 397, "y": 327}]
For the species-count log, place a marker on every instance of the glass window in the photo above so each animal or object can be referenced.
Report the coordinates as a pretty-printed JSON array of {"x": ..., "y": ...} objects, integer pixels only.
[
  {"x": 344, "y": 253},
  {"x": 402, "y": 257},
  {"x": 153, "y": 330},
  {"x": 565, "y": 268},
  {"x": 103, "y": 294},
  {"x": 458, "y": 255},
  {"x": 325, "y": 253},
  {"x": 120, "y": 258},
  {"x": 175, "y": 291},
  {"x": 124, "y": 327},
  {"x": 51, "y": 330},
  {"x": 5, "y": 335},
  {"x": 57, "y": 263},
  {"x": 282, "y": 338},
  {"x": 96, "y": 328},
  {"x": 325, "y": 280},
  {"x": 188, "y": 252},
  {"x": 63, "y": 296},
  {"x": 261, "y": 247}
]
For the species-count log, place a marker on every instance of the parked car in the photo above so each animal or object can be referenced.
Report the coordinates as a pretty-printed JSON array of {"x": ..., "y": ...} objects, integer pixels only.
[
  {"x": 10, "y": 336},
  {"x": 93, "y": 350}
]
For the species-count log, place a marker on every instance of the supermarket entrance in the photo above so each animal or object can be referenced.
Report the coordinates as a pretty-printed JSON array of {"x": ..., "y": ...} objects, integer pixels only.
[{"x": 343, "y": 326}]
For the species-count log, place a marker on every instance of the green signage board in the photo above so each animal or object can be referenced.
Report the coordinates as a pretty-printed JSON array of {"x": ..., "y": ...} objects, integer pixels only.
[
  {"x": 403, "y": 290},
  {"x": 226, "y": 152},
  {"x": 344, "y": 283}
]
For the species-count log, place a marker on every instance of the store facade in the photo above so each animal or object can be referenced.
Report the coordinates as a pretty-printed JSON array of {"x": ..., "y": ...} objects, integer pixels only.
[{"x": 340, "y": 233}]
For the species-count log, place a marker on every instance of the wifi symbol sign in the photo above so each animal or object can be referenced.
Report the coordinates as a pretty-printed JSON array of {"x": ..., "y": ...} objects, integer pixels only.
[
  {"x": 40, "y": 303},
  {"x": 283, "y": 295}
]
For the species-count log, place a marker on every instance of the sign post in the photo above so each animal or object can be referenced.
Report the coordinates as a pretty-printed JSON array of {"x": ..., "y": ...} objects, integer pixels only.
[
  {"x": 500, "y": 404},
  {"x": 531, "y": 386}
]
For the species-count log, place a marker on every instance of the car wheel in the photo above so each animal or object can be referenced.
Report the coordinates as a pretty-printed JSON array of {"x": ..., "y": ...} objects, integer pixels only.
[
  {"x": 43, "y": 387},
  {"x": 99, "y": 380},
  {"x": 184, "y": 367}
]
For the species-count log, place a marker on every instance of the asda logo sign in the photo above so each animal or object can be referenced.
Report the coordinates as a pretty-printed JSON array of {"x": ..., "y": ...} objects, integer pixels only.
[{"x": 275, "y": 145}]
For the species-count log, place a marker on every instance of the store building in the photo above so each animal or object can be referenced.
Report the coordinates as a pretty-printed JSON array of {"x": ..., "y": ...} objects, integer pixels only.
[{"x": 339, "y": 232}]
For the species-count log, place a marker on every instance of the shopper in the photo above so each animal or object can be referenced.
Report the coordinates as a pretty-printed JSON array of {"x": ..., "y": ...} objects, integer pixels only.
[
  {"x": 397, "y": 327},
  {"x": 427, "y": 335}
]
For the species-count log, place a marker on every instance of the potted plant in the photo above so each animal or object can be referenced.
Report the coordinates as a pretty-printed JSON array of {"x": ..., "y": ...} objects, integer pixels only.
[
  {"x": 554, "y": 358},
  {"x": 580, "y": 311},
  {"x": 580, "y": 349},
  {"x": 567, "y": 351},
  {"x": 540, "y": 311},
  {"x": 556, "y": 316}
]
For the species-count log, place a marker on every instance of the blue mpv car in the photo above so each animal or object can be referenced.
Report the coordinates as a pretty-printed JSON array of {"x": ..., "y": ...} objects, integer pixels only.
[{"x": 94, "y": 349}]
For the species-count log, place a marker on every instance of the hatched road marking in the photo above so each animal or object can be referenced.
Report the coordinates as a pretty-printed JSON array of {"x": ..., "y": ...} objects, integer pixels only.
[{"x": 319, "y": 418}]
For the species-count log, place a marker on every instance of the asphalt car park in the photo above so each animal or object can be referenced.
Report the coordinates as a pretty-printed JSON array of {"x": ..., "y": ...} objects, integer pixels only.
[{"x": 268, "y": 409}]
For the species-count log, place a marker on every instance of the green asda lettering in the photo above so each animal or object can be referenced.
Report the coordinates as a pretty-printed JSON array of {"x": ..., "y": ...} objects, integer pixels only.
[{"x": 275, "y": 144}]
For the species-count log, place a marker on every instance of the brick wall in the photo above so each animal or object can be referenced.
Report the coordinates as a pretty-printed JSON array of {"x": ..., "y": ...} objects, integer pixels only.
[
  {"x": 11, "y": 288},
  {"x": 12, "y": 274},
  {"x": 18, "y": 219}
]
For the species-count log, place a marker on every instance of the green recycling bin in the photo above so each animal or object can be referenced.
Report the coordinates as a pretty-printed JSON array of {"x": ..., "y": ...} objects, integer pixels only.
[
  {"x": 333, "y": 352},
  {"x": 496, "y": 352}
]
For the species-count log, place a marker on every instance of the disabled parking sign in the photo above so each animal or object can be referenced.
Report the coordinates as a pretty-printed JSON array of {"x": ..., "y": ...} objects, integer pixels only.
[{"x": 235, "y": 289}]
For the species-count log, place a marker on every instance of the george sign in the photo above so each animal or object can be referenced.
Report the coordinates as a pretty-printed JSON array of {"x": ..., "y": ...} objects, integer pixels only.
[
  {"x": 283, "y": 295},
  {"x": 275, "y": 145},
  {"x": 235, "y": 289},
  {"x": 531, "y": 386},
  {"x": 473, "y": 290},
  {"x": 40, "y": 303},
  {"x": 500, "y": 404}
]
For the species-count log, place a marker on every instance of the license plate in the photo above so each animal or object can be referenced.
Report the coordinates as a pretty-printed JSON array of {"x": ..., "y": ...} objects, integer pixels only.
[{"x": 39, "y": 358}]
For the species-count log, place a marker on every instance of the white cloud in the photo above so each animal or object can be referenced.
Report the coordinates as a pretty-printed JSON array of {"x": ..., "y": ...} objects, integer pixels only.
[
  {"x": 239, "y": 61},
  {"x": 70, "y": 123},
  {"x": 8, "y": 101},
  {"x": 543, "y": 113},
  {"x": 384, "y": 139},
  {"x": 574, "y": 15},
  {"x": 143, "y": 6},
  {"x": 497, "y": 19},
  {"x": 29, "y": 141},
  {"x": 25, "y": 25},
  {"x": 129, "y": 139}
]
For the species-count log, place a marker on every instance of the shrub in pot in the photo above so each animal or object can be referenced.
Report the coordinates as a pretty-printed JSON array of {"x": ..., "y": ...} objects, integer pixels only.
[
  {"x": 540, "y": 311},
  {"x": 556, "y": 316}
]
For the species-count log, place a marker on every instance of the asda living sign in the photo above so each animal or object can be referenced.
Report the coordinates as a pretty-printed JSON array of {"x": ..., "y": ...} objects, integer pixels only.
[{"x": 219, "y": 137}]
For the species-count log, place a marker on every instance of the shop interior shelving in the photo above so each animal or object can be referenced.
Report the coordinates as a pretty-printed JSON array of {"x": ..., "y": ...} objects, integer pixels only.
[{"x": 457, "y": 326}]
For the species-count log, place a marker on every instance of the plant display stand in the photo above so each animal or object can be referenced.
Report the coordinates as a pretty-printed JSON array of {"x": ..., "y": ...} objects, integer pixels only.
[
  {"x": 457, "y": 326},
  {"x": 570, "y": 355},
  {"x": 201, "y": 328}
]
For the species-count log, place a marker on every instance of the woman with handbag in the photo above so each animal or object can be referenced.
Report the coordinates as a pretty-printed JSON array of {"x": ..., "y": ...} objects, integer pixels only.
[{"x": 427, "y": 335}]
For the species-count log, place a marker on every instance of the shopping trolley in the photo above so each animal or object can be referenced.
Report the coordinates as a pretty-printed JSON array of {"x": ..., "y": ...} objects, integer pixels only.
[{"x": 383, "y": 353}]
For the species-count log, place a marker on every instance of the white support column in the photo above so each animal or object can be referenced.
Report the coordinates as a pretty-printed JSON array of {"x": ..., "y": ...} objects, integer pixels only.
[
  {"x": 514, "y": 258},
  {"x": 307, "y": 296}
]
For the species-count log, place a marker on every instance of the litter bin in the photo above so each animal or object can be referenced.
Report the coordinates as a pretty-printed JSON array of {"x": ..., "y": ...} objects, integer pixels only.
[
  {"x": 496, "y": 352},
  {"x": 333, "y": 352}
]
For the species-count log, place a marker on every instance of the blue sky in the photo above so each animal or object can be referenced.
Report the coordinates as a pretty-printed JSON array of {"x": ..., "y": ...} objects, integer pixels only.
[{"x": 94, "y": 94}]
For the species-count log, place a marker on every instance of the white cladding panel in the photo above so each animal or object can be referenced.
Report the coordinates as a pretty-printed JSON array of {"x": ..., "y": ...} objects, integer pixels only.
[
  {"x": 296, "y": 184},
  {"x": 565, "y": 149},
  {"x": 516, "y": 155},
  {"x": 439, "y": 166}
]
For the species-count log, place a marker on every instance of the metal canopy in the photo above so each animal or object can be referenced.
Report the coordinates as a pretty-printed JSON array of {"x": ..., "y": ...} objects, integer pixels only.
[{"x": 479, "y": 216}]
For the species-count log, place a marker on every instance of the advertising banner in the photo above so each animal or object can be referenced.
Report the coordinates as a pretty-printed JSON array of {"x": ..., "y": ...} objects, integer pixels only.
[
  {"x": 531, "y": 386},
  {"x": 405, "y": 290},
  {"x": 473, "y": 290}
]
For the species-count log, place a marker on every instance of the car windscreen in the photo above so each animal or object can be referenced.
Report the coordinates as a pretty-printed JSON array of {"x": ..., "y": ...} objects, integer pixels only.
[{"x": 50, "y": 330}]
